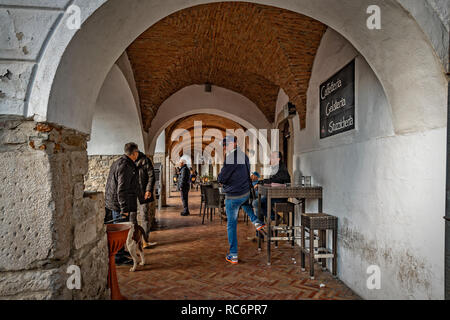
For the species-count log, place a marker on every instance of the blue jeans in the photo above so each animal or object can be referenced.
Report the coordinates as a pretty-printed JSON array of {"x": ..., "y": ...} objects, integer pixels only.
[
  {"x": 116, "y": 216},
  {"x": 263, "y": 214},
  {"x": 232, "y": 209},
  {"x": 132, "y": 216}
]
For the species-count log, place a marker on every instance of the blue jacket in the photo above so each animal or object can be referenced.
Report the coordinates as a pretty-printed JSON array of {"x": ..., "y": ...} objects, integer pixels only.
[{"x": 235, "y": 175}]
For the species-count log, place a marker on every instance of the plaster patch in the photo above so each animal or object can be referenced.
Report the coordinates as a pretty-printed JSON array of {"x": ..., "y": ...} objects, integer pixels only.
[{"x": 411, "y": 270}]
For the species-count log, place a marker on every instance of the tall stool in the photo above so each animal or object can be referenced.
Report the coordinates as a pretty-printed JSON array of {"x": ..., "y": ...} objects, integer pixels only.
[{"x": 320, "y": 222}]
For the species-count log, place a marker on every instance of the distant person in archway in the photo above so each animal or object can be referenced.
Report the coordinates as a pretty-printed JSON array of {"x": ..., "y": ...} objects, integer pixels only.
[
  {"x": 235, "y": 178},
  {"x": 146, "y": 179},
  {"x": 183, "y": 185},
  {"x": 255, "y": 178},
  {"x": 176, "y": 178},
  {"x": 193, "y": 178}
]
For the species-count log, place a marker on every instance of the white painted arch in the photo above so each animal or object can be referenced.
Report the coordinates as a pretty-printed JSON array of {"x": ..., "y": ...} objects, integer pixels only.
[
  {"x": 116, "y": 119},
  {"x": 194, "y": 100},
  {"x": 74, "y": 64}
]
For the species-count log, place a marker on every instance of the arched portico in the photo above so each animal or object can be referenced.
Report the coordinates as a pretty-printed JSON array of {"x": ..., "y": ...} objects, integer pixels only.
[
  {"x": 193, "y": 100},
  {"x": 73, "y": 66},
  {"x": 403, "y": 45}
]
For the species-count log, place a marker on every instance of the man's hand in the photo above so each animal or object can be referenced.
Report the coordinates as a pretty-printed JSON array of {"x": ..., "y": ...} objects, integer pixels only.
[
  {"x": 125, "y": 214},
  {"x": 147, "y": 195},
  {"x": 255, "y": 186}
]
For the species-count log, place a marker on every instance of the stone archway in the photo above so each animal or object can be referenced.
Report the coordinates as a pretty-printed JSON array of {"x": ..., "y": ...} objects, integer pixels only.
[
  {"x": 51, "y": 98},
  {"x": 193, "y": 100}
]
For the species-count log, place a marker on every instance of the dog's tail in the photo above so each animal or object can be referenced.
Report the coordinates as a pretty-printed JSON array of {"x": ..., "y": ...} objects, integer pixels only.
[{"x": 144, "y": 234}]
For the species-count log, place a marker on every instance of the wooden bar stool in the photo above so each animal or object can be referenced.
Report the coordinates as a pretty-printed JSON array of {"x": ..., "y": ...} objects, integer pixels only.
[
  {"x": 320, "y": 222},
  {"x": 285, "y": 211}
]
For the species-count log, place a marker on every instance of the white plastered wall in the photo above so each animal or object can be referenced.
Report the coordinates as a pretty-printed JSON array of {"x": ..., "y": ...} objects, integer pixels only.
[{"x": 387, "y": 190}]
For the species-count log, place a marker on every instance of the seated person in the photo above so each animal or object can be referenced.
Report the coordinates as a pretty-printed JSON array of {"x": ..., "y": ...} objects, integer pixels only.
[
  {"x": 255, "y": 178},
  {"x": 193, "y": 178},
  {"x": 279, "y": 174}
]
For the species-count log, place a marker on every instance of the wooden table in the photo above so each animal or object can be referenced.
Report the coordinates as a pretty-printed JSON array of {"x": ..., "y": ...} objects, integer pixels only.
[{"x": 314, "y": 192}]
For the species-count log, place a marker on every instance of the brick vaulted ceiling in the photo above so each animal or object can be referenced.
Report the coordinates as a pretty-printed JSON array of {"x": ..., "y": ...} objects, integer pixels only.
[
  {"x": 248, "y": 48},
  {"x": 208, "y": 121}
]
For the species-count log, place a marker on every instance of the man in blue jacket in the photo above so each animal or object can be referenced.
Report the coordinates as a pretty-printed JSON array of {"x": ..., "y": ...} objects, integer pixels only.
[{"x": 235, "y": 177}]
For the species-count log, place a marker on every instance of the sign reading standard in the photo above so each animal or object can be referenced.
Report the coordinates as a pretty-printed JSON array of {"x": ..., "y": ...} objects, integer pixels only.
[{"x": 337, "y": 102}]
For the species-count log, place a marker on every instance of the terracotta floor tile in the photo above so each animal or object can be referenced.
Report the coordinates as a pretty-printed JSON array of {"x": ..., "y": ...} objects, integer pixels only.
[{"x": 189, "y": 263}]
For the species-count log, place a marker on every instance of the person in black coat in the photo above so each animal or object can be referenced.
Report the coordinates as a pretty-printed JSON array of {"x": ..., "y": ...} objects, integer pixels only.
[
  {"x": 121, "y": 190},
  {"x": 146, "y": 179},
  {"x": 183, "y": 185}
]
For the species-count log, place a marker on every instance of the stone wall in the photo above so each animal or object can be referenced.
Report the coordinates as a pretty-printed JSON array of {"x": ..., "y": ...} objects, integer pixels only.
[
  {"x": 95, "y": 179},
  {"x": 47, "y": 223},
  {"x": 159, "y": 157}
]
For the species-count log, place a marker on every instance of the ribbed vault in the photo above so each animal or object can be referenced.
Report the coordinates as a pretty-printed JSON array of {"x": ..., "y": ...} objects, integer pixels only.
[
  {"x": 208, "y": 121},
  {"x": 248, "y": 48}
]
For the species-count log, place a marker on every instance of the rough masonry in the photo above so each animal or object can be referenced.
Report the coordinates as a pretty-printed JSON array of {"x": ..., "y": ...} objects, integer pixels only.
[{"x": 47, "y": 222}]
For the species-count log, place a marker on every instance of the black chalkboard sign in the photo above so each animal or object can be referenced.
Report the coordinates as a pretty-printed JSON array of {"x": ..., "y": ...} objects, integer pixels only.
[{"x": 337, "y": 102}]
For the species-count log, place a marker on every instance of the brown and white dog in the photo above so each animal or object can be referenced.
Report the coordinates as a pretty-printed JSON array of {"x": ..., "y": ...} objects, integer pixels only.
[{"x": 135, "y": 244}]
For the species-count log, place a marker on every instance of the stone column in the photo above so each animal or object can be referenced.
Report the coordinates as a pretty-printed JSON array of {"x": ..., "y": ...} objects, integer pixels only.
[
  {"x": 163, "y": 183},
  {"x": 168, "y": 177},
  {"x": 214, "y": 171},
  {"x": 47, "y": 223}
]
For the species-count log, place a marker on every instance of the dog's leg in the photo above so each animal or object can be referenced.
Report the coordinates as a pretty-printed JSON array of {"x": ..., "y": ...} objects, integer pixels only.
[
  {"x": 132, "y": 250},
  {"x": 141, "y": 253}
]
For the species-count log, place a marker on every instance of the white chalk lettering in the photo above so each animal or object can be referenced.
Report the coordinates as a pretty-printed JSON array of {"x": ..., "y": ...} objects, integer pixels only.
[
  {"x": 335, "y": 105},
  {"x": 344, "y": 123},
  {"x": 330, "y": 88}
]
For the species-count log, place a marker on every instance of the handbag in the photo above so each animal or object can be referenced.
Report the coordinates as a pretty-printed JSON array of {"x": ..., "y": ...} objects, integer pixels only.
[{"x": 252, "y": 195}]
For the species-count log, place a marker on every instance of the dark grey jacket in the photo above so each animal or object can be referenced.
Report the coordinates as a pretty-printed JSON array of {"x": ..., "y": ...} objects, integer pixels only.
[
  {"x": 146, "y": 179},
  {"x": 281, "y": 175},
  {"x": 122, "y": 186},
  {"x": 184, "y": 178},
  {"x": 235, "y": 174}
]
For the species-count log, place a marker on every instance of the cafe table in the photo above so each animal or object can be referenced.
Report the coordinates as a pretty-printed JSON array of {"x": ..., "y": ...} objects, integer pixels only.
[{"x": 279, "y": 192}]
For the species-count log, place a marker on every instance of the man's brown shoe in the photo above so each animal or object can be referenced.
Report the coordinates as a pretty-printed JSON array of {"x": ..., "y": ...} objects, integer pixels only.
[{"x": 147, "y": 245}]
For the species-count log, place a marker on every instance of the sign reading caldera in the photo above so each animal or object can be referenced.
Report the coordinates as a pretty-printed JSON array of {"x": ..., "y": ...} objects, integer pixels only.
[{"x": 337, "y": 102}]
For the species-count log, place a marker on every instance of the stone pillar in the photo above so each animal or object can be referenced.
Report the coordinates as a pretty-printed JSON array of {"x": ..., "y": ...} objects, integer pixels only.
[
  {"x": 214, "y": 173},
  {"x": 168, "y": 177},
  {"x": 447, "y": 208},
  {"x": 163, "y": 184},
  {"x": 47, "y": 223}
]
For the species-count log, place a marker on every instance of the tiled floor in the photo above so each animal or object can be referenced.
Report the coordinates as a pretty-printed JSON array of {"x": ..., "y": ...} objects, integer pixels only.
[{"x": 188, "y": 263}]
